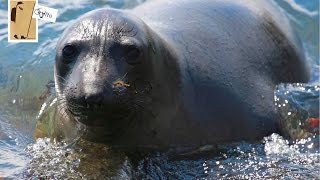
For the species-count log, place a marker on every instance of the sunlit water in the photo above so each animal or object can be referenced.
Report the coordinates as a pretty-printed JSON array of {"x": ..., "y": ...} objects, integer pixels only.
[{"x": 26, "y": 69}]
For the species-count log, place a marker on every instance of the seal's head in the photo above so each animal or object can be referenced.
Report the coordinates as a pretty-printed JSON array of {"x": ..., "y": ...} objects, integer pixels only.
[{"x": 105, "y": 68}]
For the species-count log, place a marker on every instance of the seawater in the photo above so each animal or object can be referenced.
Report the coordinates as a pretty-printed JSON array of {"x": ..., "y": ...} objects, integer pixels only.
[{"x": 26, "y": 68}]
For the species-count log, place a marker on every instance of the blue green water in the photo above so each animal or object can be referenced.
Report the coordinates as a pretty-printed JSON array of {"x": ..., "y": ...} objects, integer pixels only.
[{"x": 26, "y": 68}]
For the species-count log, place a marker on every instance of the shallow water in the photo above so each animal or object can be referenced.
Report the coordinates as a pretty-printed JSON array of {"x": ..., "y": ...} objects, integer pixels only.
[{"x": 25, "y": 69}]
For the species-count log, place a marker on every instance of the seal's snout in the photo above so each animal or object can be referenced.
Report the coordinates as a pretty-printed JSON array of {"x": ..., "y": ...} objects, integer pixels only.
[{"x": 95, "y": 97}]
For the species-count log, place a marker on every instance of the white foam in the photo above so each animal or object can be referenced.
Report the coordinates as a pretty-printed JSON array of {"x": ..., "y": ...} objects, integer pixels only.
[{"x": 301, "y": 9}]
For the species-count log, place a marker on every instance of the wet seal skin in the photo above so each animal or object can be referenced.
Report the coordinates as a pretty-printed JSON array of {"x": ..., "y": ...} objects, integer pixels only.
[{"x": 174, "y": 73}]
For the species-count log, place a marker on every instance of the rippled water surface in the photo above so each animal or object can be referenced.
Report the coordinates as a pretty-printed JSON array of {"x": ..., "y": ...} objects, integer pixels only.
[{"x": 26, "y": 69}]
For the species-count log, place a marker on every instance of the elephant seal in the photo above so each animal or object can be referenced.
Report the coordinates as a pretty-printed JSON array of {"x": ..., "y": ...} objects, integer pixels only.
[{"x": 175, "y": 73}]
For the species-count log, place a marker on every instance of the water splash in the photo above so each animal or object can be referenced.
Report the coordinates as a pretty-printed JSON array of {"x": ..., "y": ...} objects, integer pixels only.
[
  {"x": 298, "y": 109},
  {"x": 274, "y": 158},
  {"x": 51, "y": 161}
]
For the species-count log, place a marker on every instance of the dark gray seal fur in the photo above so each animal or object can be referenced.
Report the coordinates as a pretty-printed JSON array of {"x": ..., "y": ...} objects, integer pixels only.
[{"x": 176, "y": 73}]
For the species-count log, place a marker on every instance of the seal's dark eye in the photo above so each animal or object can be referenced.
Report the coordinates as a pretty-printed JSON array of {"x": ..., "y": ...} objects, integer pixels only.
[
  {"x": 133, "y": 55},
  {"x": 69, "y": 51}
]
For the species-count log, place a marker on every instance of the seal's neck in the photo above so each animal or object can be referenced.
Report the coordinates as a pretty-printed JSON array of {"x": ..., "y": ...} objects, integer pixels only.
[{"x": 165, "y": 65}]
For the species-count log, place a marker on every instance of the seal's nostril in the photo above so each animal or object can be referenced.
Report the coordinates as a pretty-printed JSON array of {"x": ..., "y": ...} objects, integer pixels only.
[{"x": 93, "y": 99}]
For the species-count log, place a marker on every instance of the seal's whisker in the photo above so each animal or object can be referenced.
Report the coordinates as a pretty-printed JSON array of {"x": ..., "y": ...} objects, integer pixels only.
[
  {"x": 74, "y": 105},
  {"x": 64, "y": 82},
  {"x": 62, "y": 78},
  {"x": 110, "y": 84},
  {"x": 124, "y": 76}
]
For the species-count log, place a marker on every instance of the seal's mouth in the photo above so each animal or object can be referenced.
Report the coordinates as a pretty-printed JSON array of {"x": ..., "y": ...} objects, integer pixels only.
[
  {"x": 104, "y": 115},
  {"x": 108, "y": 123}
]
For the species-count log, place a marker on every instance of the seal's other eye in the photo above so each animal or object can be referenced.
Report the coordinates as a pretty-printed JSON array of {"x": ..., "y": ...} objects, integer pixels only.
[
  {"x": 133, "y": 55},
  {"x": 69, "y": 51}
]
